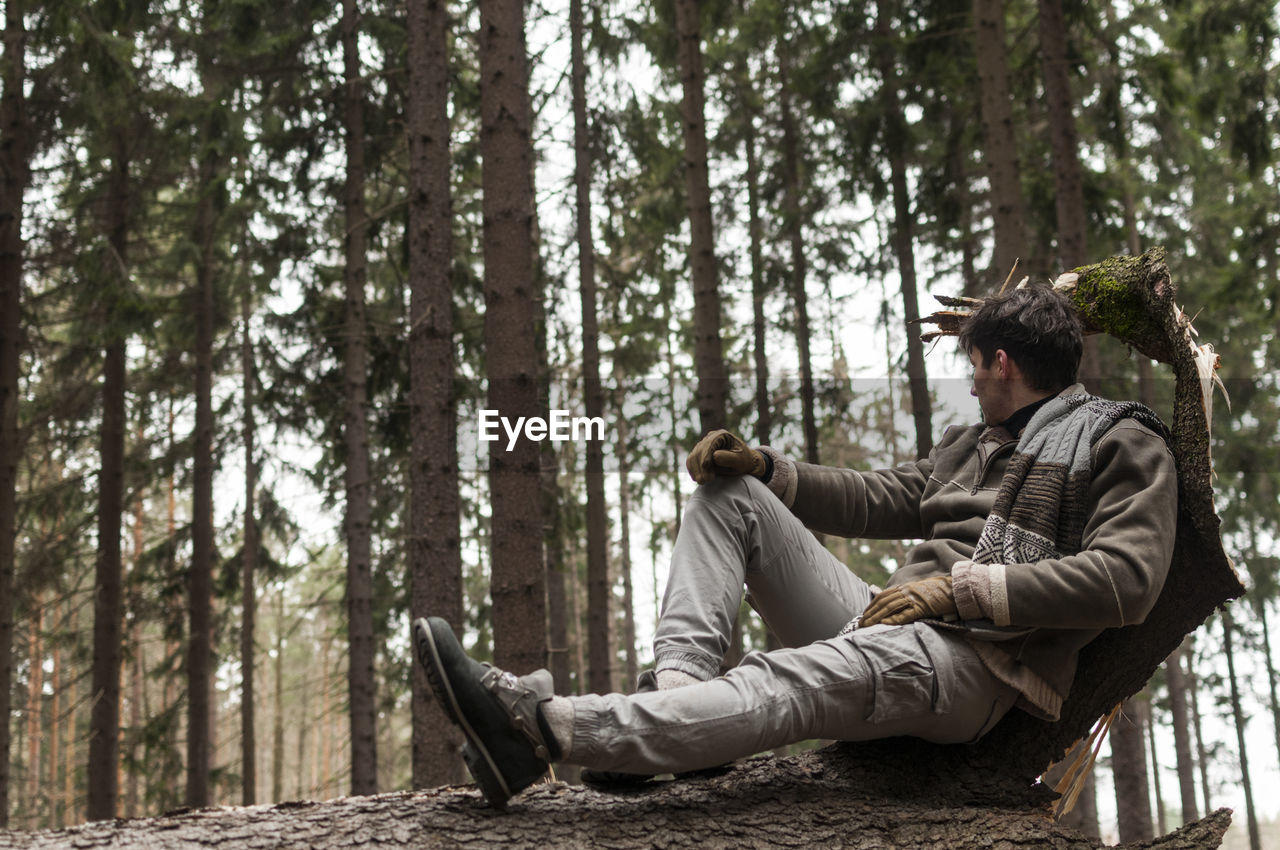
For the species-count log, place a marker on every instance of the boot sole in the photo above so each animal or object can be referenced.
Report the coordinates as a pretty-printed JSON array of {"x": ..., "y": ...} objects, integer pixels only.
[{"x": 474, "y": 753}]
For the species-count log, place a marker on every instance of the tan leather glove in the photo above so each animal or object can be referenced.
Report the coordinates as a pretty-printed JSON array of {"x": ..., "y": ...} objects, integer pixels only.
[
  {"x": 724, "y": 453},
  {"x": 906, "y": 603}
]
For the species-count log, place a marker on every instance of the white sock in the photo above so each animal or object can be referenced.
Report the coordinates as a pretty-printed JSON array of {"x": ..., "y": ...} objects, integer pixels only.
[
  {"x": 558, "y": 712},
  {"x": 672, "y": 678}
]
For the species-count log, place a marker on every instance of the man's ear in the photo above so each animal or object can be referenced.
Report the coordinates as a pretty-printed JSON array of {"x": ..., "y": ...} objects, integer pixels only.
[
  {"x": 1002, "y": 364},
  {"x": 1006, "y": 367}
]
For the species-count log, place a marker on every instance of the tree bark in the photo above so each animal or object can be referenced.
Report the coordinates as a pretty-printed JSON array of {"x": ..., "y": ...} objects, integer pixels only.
[
  {"x": 35, "y": 710},
  {"x": 360, "y": 663},
  {"x": 435, "y": 554},
  {"x": 673, "y": 420},
  {"x": 277, "y": 696},
  {"x": 600, "y": 647},
  {"x": 1273, "y": 701},
  {"x": 1000, "y": 144},
  {"x": 1129, "y": 768},
  {"x": 1064, "y": 147},
  {"x": 896, "y": 142},
  {"x": 823, "y": 798},
  {"x": 1202, "y": 755},
  {"x": 104, "y": 722},
  {"x": 750, "y": 143},
  {"x": 14, "y": 175},
  {"x": 249, "y": 567},
  {"x": 1148, "y": 720},
  {"x": 1237, "y": 714},
  {"x": 1073, "y": 245},
  {"x": 511, "y": 357},
  {"x": 624, "y": 553},
  {"x": 202, "y": 699},
  {"x": 1177, "y": 683},
  {"x": 708, "y": 355},
  {"x": 793, "y": 221}
]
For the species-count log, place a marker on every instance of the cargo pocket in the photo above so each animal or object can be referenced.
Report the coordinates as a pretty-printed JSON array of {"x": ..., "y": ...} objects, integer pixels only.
[{"x": 910, "y": 672}]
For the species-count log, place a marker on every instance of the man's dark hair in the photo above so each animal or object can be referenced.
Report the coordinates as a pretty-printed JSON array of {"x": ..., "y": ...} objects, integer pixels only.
[{"x": 1036, "y": 327}]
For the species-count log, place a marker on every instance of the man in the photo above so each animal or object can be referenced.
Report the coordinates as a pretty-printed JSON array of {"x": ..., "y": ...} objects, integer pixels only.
[{"x": 1050, "y": 522}]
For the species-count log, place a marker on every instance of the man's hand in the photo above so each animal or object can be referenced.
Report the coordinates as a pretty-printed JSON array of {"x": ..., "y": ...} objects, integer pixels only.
[
  {"x": 724, "y": 453},
  {"x": 906, "y": 603}
]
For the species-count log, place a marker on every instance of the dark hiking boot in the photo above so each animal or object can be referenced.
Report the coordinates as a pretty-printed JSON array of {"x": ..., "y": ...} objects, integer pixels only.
[
  {"x": 606, "y": 779},
  {"x": 508, "y": 742}
]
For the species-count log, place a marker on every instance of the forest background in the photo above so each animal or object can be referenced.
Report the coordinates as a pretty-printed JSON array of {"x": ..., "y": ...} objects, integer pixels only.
[{"x": 262, "y": 265}]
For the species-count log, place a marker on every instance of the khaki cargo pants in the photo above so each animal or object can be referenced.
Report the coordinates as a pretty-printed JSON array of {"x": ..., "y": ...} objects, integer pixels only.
[{"x": 875, "y": 682}]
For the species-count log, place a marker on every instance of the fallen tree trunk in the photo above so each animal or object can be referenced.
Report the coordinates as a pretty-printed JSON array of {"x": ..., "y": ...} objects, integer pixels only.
[{"x": 828, "y": 798}]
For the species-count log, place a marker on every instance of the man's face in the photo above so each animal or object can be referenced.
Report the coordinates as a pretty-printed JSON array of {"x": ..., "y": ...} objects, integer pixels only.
[{"x": 990, "y": 387}]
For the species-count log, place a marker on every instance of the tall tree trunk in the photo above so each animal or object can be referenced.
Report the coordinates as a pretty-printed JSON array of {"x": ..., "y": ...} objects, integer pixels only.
[
  {"x": 750, "y": 143},
  {"x": 511, "y": 356},
  {"x": 277, "y": 738},
  {"x": 558, "y": 567},
  {"x": 793, "y": 220},
  {"x": 35, "y": 710},
  {"x": 1000, "y": 143},
  {"x": 1148, "y": 719},
  {"x": 360, "y": 673},
  {"x": 133, "y": 791},
  {"x": 14, "y": 175},
  {"x": 673, "y": 419},
  {"x": 249, "y": 597},
  {"x": 1181, "y": 735},
  {"x": 1129, "y": 767},
  {"x": 600, "y": 645},
  {"x": 200, "y": 661},
  {"x": 104, "y": 722},
  {"x": 1063, "y": 141},
  {"x": 550, "y": 496},
  {"x": 1237, "y": 714},
  {"x": 1273, "y": 702},
  {"x": 72, "y": 732},
  {"x": 435, "y": 552},
  {"x": 56, "y": 804},
  {"x": 137, "y": 655},
  {"x": 896, "y": 142},
  {"x": 624, "y": 551},
  {"x": 1064, "y": 147},
  {"x": 708, "y": 355},
  {"x": 1202, "y": 755},
  {"x": 175, "y": 615}
]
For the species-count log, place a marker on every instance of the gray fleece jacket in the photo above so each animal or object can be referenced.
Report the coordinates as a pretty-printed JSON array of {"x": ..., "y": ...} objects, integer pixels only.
[{"x": 1027, "y": 621}]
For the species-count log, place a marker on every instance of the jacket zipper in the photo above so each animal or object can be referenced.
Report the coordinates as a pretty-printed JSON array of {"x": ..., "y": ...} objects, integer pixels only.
[{"x": 986, "y": 465}]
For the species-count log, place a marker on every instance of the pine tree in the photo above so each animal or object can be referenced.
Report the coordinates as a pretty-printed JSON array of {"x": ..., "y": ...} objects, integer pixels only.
[
  {"x": 434, "y": 549},
  {"x": 896, "y": 142},
  {"x": 15, "y": 153},
  {"x": 712, "y": 378},
  {"x": 598, "y": 588},
  {"x": 518, "y": 582},
  {"x": 1129, "y": 764},
  {"x": 249, "y": 567},
  {"x": 1000, "y": 141},
  {"x": 793, "y": 217},
  {"x": 210, "y": 190},
  {"x": 360, "y": 672}
]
